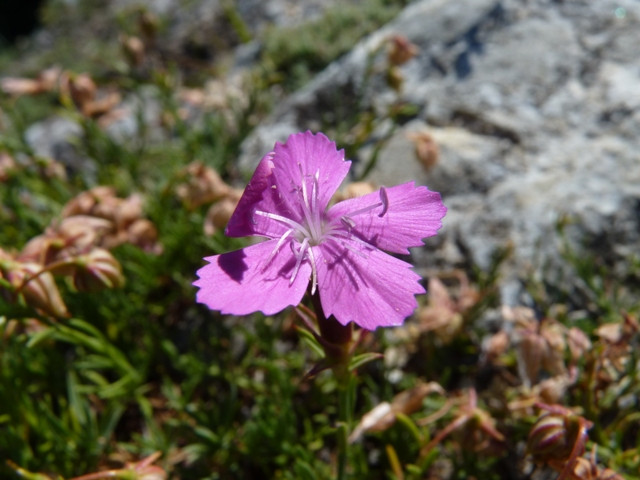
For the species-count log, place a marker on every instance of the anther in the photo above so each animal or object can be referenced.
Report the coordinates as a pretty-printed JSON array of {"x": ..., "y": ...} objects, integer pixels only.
[{"x": 385, "y": 201}]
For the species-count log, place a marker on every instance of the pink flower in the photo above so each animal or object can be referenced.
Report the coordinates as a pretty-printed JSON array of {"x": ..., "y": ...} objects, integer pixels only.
[{"x": 336, "y": 251}]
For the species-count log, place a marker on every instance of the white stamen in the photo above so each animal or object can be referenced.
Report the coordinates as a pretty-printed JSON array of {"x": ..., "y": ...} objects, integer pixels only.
[
  {"x": 287, "y": 221},
  {"x": 282, "y": 239},
  {"x": 314, "y": 229},
  {"x": 314, "y": 271},
  {"x": 299, "y": 257}
]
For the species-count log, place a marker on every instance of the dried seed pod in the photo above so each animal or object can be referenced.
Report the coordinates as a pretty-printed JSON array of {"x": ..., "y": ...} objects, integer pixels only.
[
  {"x": 203, "y": 185},
  {"x": 549, "y": 438},
  {"x": 38, "y": 288},
  {"x": 558, "y": 436},
  {"x": 96, "y": 271}
]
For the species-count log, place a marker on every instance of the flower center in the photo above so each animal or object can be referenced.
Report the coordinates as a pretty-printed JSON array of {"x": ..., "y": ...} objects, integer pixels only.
[{"x": 312, "y": 228}]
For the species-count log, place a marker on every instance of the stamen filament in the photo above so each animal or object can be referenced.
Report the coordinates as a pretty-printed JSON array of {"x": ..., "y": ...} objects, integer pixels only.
[
  {"x": 299, "y": 257},
  {"x": 314, "y": 271},
  {"x": 282, "y": 239},
  {"x": 287, "y": 221}
]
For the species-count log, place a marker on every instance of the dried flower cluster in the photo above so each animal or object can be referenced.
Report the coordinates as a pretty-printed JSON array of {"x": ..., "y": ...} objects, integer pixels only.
[
  {"x": 533, "y": 364},
  {"x": 79, "y": 90},
  {"x": 202, "y": 185},
  {"x": 77, "y": 247}
]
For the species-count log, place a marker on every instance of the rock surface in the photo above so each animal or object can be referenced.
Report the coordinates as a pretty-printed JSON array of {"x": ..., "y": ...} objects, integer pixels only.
[{"x": 535, "y": 108}]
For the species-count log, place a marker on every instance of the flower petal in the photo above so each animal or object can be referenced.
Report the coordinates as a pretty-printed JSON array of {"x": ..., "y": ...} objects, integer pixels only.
[
  {"x": 251, "y": 279},
  {"x": 411, "y": 215},
  {"x": 277, "y": 184},
  {"x": 365, "y": 286},
  {"x": 258, "y": 195}
]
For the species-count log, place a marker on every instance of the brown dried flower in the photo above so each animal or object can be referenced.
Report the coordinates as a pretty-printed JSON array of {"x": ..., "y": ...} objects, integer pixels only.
[
  {"x": 444, "y": 314},
  {"x": 401, "y": 50},
  {"x": 540, "y": 345},
  {"x": 220, "y": 212},
  {"x": 7, "y": 165},
  {"x": 202, "y": 185},
  {"x": 133, "y": 49},
  {"x": 124, "y": 216},
  {"x": 96, "y": 271},
  {"x": 383, "y": 415},
  {"x": 426, "y": 148},
  {"x": 83, "y": 92},
  {"x": 46, "y": 81},
  {"x": 38, "y": 288}
]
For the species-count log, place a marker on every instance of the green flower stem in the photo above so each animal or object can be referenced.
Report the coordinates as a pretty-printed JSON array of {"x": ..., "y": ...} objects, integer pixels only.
[{"x": 337, "y": 342}]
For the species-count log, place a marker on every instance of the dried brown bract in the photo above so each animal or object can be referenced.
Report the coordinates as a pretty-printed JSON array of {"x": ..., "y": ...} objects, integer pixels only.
[
  {"x": 220, "y": 212},
  {"x": 426, "y": 149},
  {"x": 476, "y": 426},
  {"x": 83, "y": 93},
  {"x": 46, "y": 81},
  {"x": 36, "y": 285},
  {"x": 201, "y": 185},
  {"x": 7, "y": 165},
  {"x": 401, "y": 50},
  {"x": 540, "y": 344},
  {"x": 124, "y": 215},
  {"x": 444, "y": 313}
]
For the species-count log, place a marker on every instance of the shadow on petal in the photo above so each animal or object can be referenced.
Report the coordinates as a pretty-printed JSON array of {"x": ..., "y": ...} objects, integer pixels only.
[{"x": 233, "y": 264}]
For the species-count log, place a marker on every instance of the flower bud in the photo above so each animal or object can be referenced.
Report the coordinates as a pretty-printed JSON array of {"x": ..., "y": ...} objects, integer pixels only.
[
  {"x": 548, "y": 438},
  {"x": 97, "y": 270},
  {"x": 555, "y": 435}
]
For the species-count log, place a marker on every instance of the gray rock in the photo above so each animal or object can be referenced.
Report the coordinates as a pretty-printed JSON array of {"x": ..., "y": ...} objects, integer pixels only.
[{"x": 57, "y": 138}]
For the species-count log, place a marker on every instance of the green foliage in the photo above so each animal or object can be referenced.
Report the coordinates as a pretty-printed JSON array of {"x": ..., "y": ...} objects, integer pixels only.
[{"x": 320, "y": 41}]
